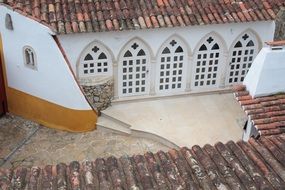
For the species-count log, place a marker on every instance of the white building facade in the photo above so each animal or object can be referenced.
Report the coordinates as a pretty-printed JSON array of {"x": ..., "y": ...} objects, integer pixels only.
[{"x": 167, "y": 61}]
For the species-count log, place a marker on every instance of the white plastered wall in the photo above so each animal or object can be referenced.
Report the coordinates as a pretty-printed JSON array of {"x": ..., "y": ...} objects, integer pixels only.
[
  {"x": 267, "y": 74},
  {"x": 74, "y": 44},
  {"x": 52, "y": 81}
]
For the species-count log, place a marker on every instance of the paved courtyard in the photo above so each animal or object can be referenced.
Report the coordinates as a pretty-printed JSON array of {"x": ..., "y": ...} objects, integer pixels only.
[
  {"x": 25, "y": 143},
  {"x": 185, "y": 120}
]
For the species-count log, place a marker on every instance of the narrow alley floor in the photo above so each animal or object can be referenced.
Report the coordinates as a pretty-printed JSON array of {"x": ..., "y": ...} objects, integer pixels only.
[{"x": 25, "y": 143}]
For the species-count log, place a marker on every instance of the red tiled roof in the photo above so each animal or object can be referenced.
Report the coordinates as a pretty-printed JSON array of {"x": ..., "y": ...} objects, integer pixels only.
[
  {"x": 267, "y": 113},
  {"x": 258, "y": 164},
  {"x": 76, "y": 16}
]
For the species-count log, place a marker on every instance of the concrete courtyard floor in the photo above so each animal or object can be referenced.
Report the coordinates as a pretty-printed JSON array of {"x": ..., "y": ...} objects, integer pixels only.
[
  {"x": 25, "y": 143},
  {"x": 184, "y": 120}
]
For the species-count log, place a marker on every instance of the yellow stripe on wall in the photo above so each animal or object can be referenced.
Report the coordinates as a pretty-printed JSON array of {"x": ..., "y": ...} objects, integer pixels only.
[
  {"x": 44, "y": 112},
  {"x": 50, "y": 114}
]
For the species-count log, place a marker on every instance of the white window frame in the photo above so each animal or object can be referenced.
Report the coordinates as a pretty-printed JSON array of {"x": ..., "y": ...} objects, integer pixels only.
[
  {"x": 209, "y": 63},
  {"x": 241, "y": 58},
  {"x": 95, "y": 67},
  {"x": 143, "y": 81},
  {"x": 174, "y": 63},
  {"x": 30, "y": 58}
]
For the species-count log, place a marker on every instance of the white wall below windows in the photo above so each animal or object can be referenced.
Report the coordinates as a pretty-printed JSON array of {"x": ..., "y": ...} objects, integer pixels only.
[
  {"x": 52, "y": 80},
  {"x": 192, "y": 36}
]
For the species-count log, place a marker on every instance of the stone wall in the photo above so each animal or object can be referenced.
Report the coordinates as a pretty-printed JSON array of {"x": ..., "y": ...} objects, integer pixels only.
[
  {"x": 280, "y": 25},
  {"x": 99, "y": 95}
]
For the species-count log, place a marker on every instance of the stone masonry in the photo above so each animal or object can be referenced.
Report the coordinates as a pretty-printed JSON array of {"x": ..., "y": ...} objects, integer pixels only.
[
  {"x": 99, "y": 95},
  {"x": 280, "y": 25}
]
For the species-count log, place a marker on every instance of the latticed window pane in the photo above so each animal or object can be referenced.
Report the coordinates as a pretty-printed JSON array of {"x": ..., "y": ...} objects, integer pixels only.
[
  {"x": 96, "y": 62},
  {"x": 133, "y": 70},
  {"x": 207, "y": 62},
  {"x": 242, "y": 56},
  {"x": 170, "y": 72}
]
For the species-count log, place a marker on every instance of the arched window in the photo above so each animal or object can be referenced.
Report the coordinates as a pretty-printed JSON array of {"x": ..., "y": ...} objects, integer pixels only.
[
  {"x": 29, "y": 57},
  {"x": 242, "y": 55},
  {"x": 171, "y": 67},
  {"x": 206, "y": 67},
  {"x": 134, "y": 69},
  {"x": 95, "y": 61}
]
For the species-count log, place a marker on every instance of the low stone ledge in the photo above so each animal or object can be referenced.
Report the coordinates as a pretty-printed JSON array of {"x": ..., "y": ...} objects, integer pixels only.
[{"x": 99, "y": 94}]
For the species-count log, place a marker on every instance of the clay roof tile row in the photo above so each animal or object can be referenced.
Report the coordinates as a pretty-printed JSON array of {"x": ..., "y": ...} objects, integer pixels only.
[
  {"x": 267, "y": 113},
  {"x": 79, "y": 16},
  {"x": 257, "y": 164}
]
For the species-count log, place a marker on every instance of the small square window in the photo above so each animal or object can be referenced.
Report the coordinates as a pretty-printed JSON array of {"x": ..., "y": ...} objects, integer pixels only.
[
  {"x": 168, "y": 59},
  {"x": 137, "y": 89},
  {"x": 173, "y": 86},
  {"x": 179, "y": 85},
  {"x": 204, "y": 56},
  {"x": 180, "y": 58},
  {"x": 105, "y": 70},
  {"x": 130, "y": 76},
  {"x": 138, "y": 69},
  {"x": 99, "y": 64},
  {"x": 99, "y": 70},
  {"x": 124, "y": 63},
  {"x": 105, "y": 64},
  {"x": 85, "y": 65},
  {"x": 144, "y": 61},
  {"x": 175, "y": 58},
  {"x": 143, "y": 89},
  {"x": 138, "y": 61},
  {"x": 161, "y": 80},
  {"x": 162, "y": 59},
  {"x": 91, "y": 70}
]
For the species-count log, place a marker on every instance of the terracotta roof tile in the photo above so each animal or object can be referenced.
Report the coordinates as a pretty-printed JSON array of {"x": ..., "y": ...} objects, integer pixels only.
[
  {"x": 267, "y": 113},
  {"x": 79, "y": 16},
  {"x": 258, "y": 164}
]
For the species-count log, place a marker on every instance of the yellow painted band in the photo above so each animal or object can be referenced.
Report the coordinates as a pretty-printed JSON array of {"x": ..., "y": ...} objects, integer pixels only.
[
  {"x": 44, "y": 112},
  {"x": 50, "y": 114}
]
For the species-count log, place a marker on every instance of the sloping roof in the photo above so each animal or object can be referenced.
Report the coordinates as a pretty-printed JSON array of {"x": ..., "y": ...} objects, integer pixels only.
[
  {"x": 267, "y": 113},
  {"x": 77, "y": 16},
  {"x": 258, "y": 164}
]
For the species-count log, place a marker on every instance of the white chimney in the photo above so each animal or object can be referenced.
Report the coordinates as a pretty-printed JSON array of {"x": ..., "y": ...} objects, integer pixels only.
[{"x": 267, "y": 73}]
